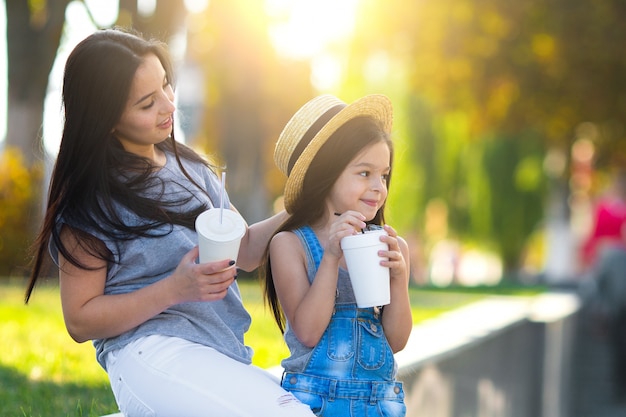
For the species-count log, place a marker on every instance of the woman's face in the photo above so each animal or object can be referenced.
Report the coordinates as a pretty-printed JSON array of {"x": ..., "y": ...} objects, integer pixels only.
[
  {"x": 362, "y": 186},
  {"x": 147, "y": 117}
]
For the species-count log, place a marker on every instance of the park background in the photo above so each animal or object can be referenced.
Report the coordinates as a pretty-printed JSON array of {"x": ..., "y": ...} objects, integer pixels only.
[{"x": 509, "y": 116}]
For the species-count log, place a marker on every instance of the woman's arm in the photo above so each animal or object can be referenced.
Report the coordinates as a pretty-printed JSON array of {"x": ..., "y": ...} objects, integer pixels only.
[
  {"x": 89, "y": 314},
  {"x": 254, "y": 242},
  {"x": 397, "y": 319}
]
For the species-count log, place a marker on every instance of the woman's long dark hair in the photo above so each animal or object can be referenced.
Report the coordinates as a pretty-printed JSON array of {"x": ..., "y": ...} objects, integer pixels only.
[
  {"x": 92, "y": 170},
  {"x": 331, "y": 160}
]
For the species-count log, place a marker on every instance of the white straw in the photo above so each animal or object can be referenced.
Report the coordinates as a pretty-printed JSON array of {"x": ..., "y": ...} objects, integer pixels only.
[{"x": 222, "y": 192}]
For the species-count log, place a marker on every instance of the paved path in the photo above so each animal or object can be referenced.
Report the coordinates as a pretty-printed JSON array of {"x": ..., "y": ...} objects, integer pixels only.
[{"x": 593, "y": 393}]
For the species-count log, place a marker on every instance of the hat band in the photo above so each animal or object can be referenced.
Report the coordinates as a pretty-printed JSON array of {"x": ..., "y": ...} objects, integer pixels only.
[{"x": 311, "y": 132}]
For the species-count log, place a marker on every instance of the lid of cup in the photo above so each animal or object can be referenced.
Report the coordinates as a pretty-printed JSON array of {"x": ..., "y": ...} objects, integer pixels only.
[
  {"x": 232, "y": 226},
  {"x": 359, "y": 240}
]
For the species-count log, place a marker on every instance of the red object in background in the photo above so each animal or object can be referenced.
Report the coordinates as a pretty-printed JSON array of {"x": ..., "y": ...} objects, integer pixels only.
[{"x": 610, "y": 219}]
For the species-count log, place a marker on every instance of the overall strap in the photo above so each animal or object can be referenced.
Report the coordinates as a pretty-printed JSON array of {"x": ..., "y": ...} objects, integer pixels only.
[
  {"x": 312, "y": 246},
  {"x": 314, "y": 252}
]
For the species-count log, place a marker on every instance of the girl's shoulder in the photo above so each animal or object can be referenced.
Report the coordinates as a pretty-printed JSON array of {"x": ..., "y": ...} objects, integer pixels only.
[
  {"x": 296, "y": 237},
  {"x": 285, "y": 237},
  {"x": 286, "y": 243}
]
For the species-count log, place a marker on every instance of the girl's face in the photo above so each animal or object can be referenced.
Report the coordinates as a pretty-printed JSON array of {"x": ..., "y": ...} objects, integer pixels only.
[
  {"x": 147, "y": 117},
  {"x": 362, "y": 186}
]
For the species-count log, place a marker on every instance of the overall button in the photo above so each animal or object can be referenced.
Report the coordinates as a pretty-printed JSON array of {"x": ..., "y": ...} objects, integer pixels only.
[
  {"x": 373, "y": 327},
  {"x": 396, "y": 390},
  {"x": 293, "y": 380}
]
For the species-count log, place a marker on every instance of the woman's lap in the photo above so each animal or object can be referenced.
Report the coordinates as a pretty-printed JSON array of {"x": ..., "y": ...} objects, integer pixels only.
[{"x": 165, "y": 376}]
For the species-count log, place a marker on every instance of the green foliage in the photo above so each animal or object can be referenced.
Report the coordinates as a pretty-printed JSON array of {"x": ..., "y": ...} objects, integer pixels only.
[
  {"x": 514, "y": 173},
  {"x": 20, "y": 189},
  {"x": 482, "y": 90}
]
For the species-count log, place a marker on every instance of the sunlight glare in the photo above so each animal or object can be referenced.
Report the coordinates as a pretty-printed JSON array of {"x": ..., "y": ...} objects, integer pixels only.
[
  {"x": 305, "y": 28},
  {"x": 74, "y": 32},
  {"x": 104, "y": 13},
  {"x": 325, "y": 72},
  {"x": 196, "y": 6},
  {"x": 146, "y": 7},
  {"x": 308, "y": 30},
  {"x": 377, "y": 67}
]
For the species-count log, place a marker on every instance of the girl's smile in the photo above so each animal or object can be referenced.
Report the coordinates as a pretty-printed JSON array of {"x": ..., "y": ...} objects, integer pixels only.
[{"x": 362, "y": 186}]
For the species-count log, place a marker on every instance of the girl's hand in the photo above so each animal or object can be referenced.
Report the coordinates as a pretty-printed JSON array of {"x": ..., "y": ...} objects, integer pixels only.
[
  {"x": 202, "y": 282},
  {"x": 397, "y": 318},
  {"x": 394, "y": 259},
  {"x": 346, "y": 224}
]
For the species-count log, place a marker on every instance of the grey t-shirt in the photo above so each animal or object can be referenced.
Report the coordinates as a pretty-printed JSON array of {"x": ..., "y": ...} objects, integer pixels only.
[{"x": 145, "y": 260}]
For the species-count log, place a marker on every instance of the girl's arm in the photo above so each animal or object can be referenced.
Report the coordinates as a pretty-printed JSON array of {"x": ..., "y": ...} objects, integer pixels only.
[
  {"x": 397, "y": 319},
  {"x": 89, "y": 314},
  {"x": 254, "y": 242},
  {"x": 309, "y": 307}
]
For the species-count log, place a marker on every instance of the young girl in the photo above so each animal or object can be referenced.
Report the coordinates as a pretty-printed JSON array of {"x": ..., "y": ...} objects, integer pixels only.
[
  {"x": 338, "y": 160},
  {"x": 123, "y": 200}
]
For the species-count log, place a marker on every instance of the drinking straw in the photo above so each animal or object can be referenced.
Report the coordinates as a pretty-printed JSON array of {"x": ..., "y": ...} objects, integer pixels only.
[{"x": 222, "y": 192}]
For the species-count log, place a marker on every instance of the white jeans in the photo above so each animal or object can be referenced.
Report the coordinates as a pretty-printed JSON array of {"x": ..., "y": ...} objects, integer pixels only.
[{"x": 167, "y": 376}]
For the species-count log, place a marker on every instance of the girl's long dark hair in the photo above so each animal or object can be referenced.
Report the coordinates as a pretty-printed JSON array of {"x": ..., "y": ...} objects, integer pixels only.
[
  {"x": 331, "y": 160},
  {"x": 92, "y": 170}
]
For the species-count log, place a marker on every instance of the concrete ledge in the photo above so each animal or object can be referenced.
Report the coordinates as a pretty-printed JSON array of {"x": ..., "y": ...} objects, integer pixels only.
[
  {"x": 444, "y": 335},
  {"x": 500, "y": 357},
  {"x": 461, "y": 328}
]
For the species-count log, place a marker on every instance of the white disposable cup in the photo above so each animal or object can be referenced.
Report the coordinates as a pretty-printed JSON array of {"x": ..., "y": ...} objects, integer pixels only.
[
  {"x": 219, "y": 240},
  {"x": 370, "y": 280}
]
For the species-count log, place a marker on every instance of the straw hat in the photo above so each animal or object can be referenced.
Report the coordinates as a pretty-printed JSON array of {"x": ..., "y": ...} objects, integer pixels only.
[{"x": 310, "y": 128}]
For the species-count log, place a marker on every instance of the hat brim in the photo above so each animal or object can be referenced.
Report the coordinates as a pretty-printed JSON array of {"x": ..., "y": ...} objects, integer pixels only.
[{"x": 376, "y": 106}]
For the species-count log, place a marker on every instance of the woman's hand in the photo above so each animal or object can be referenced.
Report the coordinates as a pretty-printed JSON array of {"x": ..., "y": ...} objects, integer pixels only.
[
  {"x": 202, "y": 282},
  {"x": 90, "y": 314}
]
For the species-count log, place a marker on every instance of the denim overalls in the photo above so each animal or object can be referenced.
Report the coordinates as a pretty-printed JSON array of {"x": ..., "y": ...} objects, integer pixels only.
[{"x": 351, "y": 371}]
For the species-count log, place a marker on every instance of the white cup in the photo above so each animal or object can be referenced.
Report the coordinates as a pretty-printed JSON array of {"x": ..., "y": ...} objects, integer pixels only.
[
  {"x": 219, "y": 240},
  {"x": 370, "y": 280}
]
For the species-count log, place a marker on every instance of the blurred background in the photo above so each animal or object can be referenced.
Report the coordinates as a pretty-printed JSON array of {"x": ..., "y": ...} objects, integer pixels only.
[
  {"x": 509, "y": 116},
  {"x": 509, "y": 125}
]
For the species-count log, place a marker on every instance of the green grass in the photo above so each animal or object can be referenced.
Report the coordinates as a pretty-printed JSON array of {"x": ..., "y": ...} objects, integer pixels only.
[{"x": 44, "y": 373}]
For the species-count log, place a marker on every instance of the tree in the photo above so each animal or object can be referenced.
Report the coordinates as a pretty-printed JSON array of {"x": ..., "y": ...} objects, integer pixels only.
[
  {"x": 167, "y": 19},
  {"x": 492, "y": 79},
  {"x": 34, "y": 32},
  {"x": 250, "y": 93}
]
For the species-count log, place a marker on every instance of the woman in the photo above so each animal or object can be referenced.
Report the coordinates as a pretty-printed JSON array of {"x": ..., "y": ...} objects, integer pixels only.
[{"x": 123, "y": 199}]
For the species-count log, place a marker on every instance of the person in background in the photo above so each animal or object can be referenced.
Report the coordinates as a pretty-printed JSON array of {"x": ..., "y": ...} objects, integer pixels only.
[
  {"x": 609, "y": 221},
  {"x": 338, "y": 160},
  {"x": 123, "y": 200},
  {"x": 603, "y": 255}
]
